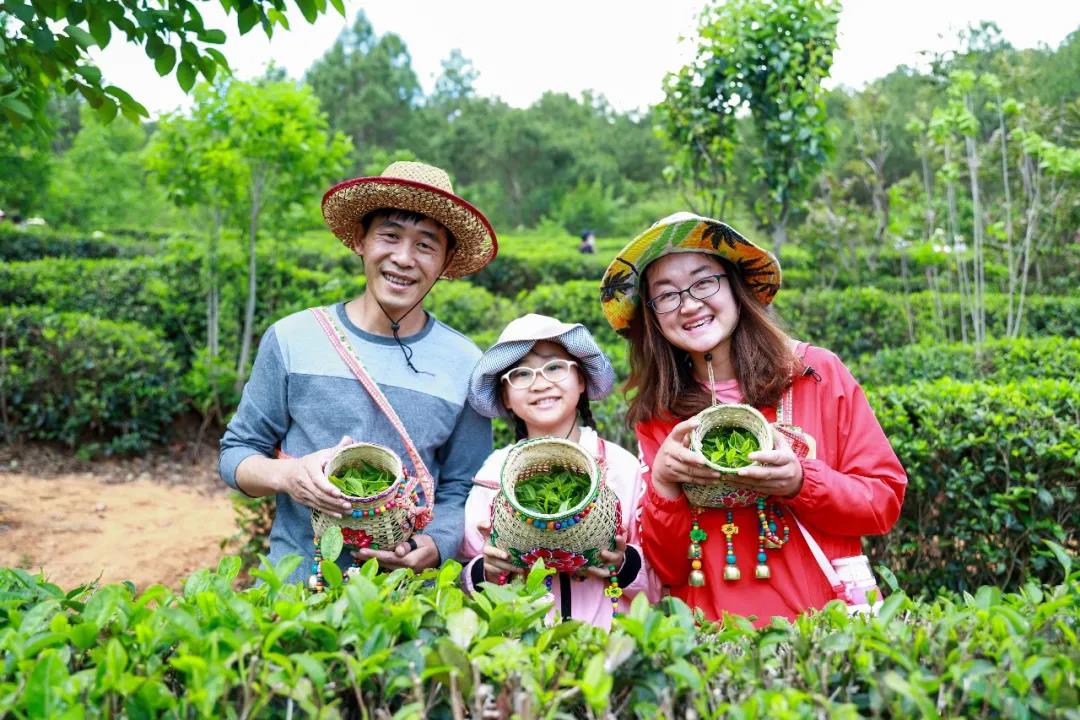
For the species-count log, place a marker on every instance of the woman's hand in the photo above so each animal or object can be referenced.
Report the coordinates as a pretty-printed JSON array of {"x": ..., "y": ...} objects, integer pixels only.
[
  {"x": 777, "y": 473},
  {"x": 675, "y": 463}
]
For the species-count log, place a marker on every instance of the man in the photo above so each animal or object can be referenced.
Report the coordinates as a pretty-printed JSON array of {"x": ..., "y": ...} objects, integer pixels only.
[{"x": 410, "y": 229}]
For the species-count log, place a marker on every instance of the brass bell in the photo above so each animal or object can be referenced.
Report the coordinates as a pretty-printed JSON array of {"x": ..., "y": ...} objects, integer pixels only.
[
  {"x": 697, "y": 578},
  {"x": 762, "y": 572},
  {"x": 694, "y": 552},
  {"x": 731, "y": 573},
  {"x": 313, "y": 582}
]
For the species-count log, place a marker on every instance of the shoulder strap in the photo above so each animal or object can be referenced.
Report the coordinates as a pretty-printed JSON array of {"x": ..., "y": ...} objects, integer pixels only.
[
  {"x": 340, "y": 342},
  {"x": 823, "y": 562}
]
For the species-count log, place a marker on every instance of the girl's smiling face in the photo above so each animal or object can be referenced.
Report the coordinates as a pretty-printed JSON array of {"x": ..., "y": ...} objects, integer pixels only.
[{"x": 546, "y": 407}]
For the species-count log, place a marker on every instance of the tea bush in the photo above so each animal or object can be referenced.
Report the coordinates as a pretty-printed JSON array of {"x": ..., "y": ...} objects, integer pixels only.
[
  {"x": 21, "y": 243},
  {"x": 994, "y": 470},
  {"x": 84, "y": 381},
  {"x": 159, "y": 293},
  {"x": 397, "y": 645},
  {"x": 999, "y": 361}
]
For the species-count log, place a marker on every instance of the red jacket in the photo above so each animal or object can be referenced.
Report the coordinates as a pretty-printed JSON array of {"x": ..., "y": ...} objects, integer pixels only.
[{"x": 855, "y": 487}]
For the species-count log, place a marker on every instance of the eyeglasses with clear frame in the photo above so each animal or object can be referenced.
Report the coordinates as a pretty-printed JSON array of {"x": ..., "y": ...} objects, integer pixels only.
[
  {"x": 554, "y": 371},
  {"x": 699, "y": 290}
]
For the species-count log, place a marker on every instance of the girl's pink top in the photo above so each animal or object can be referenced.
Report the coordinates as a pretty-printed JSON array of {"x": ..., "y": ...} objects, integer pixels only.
[
  {"x": 584, "y": 596},
  {"x": 855, "y": 487}
]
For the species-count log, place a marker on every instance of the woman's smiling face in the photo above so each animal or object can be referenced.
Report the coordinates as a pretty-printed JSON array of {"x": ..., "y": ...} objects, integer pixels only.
[{"x": 695, "y": 326}]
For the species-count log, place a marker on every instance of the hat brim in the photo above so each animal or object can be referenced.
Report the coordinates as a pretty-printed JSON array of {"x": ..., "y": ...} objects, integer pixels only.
[
  {"x": 620, "y": 290},
  {"x": 485, "y": 381},
  {"x": 346, "y": 204}
]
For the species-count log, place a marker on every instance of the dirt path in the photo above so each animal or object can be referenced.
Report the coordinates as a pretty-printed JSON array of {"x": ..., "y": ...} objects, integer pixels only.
[{"x": 113, "y": 522}]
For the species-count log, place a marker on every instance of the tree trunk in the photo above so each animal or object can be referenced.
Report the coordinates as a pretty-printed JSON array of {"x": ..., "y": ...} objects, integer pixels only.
[
  {"x": 1010, "y": 319},
  {"x": 249, "y": 308},
  {"x": 979, "y": 303}
]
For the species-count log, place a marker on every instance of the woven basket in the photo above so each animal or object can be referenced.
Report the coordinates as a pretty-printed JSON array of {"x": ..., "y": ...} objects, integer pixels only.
[
  {"x": 381, "y": 521},
  {"x": 566, "y": 541},
  {"x": 721, "y": 494}
]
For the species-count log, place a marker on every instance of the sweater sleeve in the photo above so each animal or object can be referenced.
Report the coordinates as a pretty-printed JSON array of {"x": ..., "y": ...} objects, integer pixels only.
[
  {"x": 461, "y": 457},
  {"x": 665, "y": 524},
  {"x": 262, "y": 419},
  {"x": 860, "y": 490}
]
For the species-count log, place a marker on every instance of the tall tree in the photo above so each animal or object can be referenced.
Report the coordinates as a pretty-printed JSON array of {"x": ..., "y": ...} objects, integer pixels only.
[
  {"x": 366, "y": 85},
  {"x": 48, "y": 47},
  {"x": 768, "y": 59}
]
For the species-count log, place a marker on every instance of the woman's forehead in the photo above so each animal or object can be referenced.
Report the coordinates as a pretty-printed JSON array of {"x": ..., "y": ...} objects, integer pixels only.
[
  {"x": 546, "y": 350},
  {"x": 680, "y": 266}
]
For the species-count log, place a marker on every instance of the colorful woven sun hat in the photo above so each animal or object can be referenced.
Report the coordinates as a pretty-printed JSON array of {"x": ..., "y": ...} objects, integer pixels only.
[
  {"x": 620, "y": 290},
  {"x": 517, "y": 340},
  {"x": 419, "y": 188}
]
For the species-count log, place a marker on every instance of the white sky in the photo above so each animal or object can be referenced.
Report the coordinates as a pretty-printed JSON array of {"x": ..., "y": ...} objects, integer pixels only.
[{"x": 620, "y": 48}]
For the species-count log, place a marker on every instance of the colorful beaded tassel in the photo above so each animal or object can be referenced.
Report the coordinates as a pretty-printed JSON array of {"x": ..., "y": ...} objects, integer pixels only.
[
  {"x": 730, "y": 530},
  {"x": 613, "y": 591},
  {"x": 767, "y": 537},
  {"x": 697, "y": 536}
]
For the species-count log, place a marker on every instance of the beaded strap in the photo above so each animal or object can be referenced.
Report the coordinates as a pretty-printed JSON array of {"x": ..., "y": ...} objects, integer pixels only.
[{"x": 341, "y": 344}]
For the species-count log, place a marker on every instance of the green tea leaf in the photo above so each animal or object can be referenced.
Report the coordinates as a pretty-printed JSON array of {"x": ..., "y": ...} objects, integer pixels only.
[{"x": 331, "y": 542}]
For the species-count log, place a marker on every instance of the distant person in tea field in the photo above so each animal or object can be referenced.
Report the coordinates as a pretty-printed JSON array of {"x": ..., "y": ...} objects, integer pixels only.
[
  {"x": 588, "y": 243},
  {"x": 693, "y": 298},
  {"x": 541, "y": 374},
  {"x": 410, "y": 229}
]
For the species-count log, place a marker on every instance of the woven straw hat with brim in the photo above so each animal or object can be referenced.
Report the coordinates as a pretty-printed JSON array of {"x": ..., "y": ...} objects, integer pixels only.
[
  {"x": 620, "y": 290},
  {"x": 419, "y": 188},
  {"x": 517, "y": 340}
]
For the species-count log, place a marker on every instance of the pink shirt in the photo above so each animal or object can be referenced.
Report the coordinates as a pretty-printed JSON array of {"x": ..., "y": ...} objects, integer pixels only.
[{"x": 587, "y": 601}]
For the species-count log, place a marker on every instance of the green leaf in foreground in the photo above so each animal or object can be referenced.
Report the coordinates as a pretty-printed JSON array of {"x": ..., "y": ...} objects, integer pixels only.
[{"x": 330, "y": 543}]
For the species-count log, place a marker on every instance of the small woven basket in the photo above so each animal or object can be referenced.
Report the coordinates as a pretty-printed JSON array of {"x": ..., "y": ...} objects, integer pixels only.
[
  {"x": 567, "y": 541},
  {"x": 381, "y": 521},
  {"x": 721, "y": 494}
]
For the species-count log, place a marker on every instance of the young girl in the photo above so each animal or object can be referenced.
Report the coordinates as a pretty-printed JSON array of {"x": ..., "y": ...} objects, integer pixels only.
[
  {"x": 692, "y": 295},
  {"x": 542, "y": 373}
]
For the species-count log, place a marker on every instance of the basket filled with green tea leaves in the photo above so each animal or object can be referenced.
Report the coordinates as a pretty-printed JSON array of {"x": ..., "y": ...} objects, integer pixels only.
[
  {"x": 554, "y": 505},
  {"x": 384, "y": 505},
  {"x": 725, "y": 437}
]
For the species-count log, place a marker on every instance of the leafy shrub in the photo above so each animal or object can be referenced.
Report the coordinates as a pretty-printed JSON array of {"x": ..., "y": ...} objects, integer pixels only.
[
  {"x": 398, "y": 645},
  {"x": 865, "y": 320},
  {"x": 470, "y": 310},
  {"x": 994, "y": 470},
  {"x": 22, "y": 243},
  {"x": 79, "y": 379},
  {"x": 514, "y": 271},
  {"x": 158, "y": 293},
  {"x": 1000, "y": 361}
]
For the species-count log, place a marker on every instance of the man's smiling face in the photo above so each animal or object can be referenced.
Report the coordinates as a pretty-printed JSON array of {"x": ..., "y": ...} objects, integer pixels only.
[{"x": 403, "y": 257}]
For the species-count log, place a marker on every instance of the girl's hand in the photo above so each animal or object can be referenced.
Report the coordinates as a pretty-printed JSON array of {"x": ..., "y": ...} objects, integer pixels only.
[
  {"x": 675, "y": 463},
  {"x": 497, "y": 565},
  {"x": 778, "y": 472},
  {"x": 614, "y": 558}
]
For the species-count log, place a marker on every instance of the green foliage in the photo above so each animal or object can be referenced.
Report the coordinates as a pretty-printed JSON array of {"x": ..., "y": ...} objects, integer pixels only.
[
  {"x": 470, "y": 310},
  {"x": 50, "y": 45},
  {"x": 104, "y": 155},
  {"x": 154, "y": 292},
  {"x": 998, "y": 361},
  {"x": 363, "y": 481},
  {"x": 397, "y": 645},
  {"x": 84, "y": 381},
  {"x": 865, "y": 320},
  {"x": 25, "y": 243},
  {"x": 729, "y": 446},
  {"x": 768, "y": 58},
  {"x": 553, "y": 492},
  {"x": 994, "y": 470}
]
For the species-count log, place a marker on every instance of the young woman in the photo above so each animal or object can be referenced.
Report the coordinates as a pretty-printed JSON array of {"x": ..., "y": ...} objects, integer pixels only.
[
  {"x": 542, "y": 374},
  {"x": 692, "y": 297}
]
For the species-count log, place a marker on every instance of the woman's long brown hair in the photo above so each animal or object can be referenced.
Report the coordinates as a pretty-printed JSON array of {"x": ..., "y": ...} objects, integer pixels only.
[{"x": 663, "y": 375}]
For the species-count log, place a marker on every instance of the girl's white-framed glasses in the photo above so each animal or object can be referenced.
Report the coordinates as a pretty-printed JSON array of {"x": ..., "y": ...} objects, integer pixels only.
[{"x": 553, "y": 371}]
